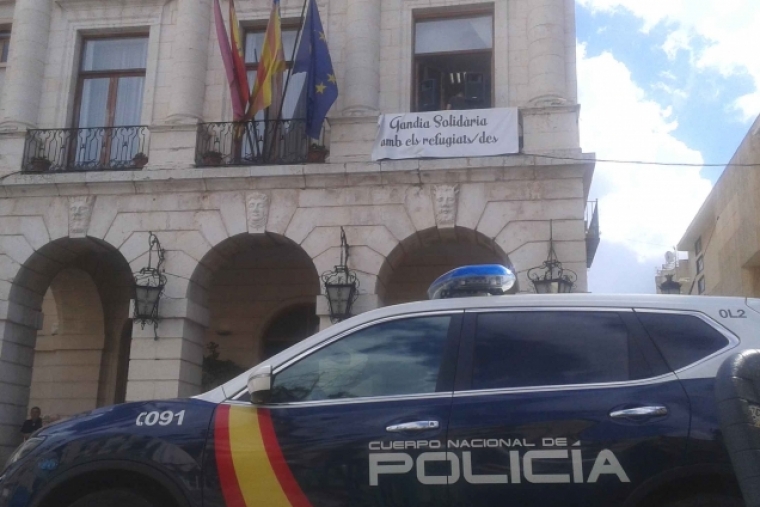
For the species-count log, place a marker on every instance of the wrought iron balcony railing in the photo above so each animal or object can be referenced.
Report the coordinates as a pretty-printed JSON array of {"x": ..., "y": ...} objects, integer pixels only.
[
  {"x": 86, "y": 149},
  {"x": 264, "y": 142}
]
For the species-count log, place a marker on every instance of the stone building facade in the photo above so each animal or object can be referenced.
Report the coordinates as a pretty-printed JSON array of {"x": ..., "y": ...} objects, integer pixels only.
[
  {"x": 723, "y": 239},
  {"x": 143, "y": 84}
]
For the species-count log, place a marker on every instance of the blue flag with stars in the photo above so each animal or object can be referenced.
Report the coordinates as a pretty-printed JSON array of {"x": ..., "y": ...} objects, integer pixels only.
[{"x": 313, "y": 57}]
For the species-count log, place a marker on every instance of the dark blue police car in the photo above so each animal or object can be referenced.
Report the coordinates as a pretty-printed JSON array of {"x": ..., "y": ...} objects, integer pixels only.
[{"x": 572, "y": 400}]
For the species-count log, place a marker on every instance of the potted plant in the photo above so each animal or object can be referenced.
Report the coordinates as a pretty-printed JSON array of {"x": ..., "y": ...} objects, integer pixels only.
[
  {"x": 217, "y": 371},
  {"x": 140, "y": 160},
  {"x": 39, "y": 164},
  {"x": 317, "y": 154},
  {"x": 212, "y": 157}
]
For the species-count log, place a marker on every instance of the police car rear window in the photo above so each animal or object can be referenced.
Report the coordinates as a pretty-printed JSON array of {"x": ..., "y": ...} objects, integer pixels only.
[
  {"x": 682, "y": 339},
  {"x": 522, "y": 349}
]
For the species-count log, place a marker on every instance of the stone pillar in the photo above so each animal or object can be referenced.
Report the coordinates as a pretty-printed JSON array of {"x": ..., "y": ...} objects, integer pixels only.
[
  {"x": 363, "y": 303},
  {"x": 167, "y": 367},
  {"x": 353, "y": 133},
  {"x": 17, "y": 336},
  {"x": 362, "y": 79},
  {"x": 189, "y": 59},
  {"x": 546, "y": 53},
  {"x": 172, "y": 145},
  {"x": 26, "y": 64}
]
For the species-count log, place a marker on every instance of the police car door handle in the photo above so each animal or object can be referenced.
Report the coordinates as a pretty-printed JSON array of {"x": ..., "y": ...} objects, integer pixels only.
[
  {"x": 413, "y": 426},
  {"x": 640, "y": 412}
]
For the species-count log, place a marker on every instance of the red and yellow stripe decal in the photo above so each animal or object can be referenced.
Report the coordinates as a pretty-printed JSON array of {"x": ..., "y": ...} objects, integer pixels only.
[{"x": 252, "y": 468}]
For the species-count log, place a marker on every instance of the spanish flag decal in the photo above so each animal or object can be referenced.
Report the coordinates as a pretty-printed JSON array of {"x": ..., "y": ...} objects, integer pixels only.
[{"x": 252, "y": 469}]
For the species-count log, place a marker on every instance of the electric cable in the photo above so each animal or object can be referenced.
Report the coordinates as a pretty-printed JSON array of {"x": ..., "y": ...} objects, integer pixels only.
[{"x": 637, "y": 162}]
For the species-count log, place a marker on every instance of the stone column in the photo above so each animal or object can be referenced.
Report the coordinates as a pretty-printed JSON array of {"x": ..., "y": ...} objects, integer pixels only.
[
  {"x": 362, "y": 78},
  {"x": 363, "y": 303},
  {"x": 172, "y": 144},
  {"x": 26, "y": 65},
  {"x": 353, "y": 132},
  {"x": 18, "y": 331},
  {"x": 189, "y": 59},
  {"x": 546, "y": 53},
  {"x": 167, "y": 367}
]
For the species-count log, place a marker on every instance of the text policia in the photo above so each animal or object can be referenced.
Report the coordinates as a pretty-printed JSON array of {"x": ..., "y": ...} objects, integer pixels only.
[{"x": 521, "y": 461}]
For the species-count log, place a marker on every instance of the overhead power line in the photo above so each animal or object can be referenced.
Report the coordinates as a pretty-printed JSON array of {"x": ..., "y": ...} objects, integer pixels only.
[{"x": 638, "y": 162}]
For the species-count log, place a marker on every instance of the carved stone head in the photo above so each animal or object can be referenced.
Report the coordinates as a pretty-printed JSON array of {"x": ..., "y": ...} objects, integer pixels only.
[
  {"x": 257, "y": 206},
  {"x": 80, "y": 212},
  {"x": 445, "y": 202}
]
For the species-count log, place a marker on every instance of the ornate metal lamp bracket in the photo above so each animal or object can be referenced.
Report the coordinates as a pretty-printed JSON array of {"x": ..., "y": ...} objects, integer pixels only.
[
  {"x": 150, "y": 282},
  {"x": 341, "y": 284},
  {"x": 555, "y": 278}
]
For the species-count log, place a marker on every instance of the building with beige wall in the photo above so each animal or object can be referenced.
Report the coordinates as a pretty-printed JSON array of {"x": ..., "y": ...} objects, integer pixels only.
[
  {"x": 112, "y": 126},
  {"x": 723, "y": 240}
]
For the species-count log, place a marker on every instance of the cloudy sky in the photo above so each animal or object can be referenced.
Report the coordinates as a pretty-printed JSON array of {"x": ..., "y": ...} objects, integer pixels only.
[{"x": 667, "y": 81}]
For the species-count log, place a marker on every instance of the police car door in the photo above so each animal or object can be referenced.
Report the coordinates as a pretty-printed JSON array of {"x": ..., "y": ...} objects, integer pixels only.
[
  {"x": 561, "y": 407},
  {"x": 357, "y": 422}
]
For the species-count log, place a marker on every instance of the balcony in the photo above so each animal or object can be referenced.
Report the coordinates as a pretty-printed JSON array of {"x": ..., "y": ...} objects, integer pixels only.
[
  {"x": 593, "y": 235},
  {"x": 85, "y": 149},
  {"x": 265, "y": 142}
]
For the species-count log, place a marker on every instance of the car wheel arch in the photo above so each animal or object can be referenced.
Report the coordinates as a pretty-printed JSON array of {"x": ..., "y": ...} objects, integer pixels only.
[
  {"x": 118, "y": 472},
  {"x": 712, "y": 478}
]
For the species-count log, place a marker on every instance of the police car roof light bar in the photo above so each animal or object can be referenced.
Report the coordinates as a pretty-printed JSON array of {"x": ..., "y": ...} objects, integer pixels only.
[{"x": 474, "y": 280}]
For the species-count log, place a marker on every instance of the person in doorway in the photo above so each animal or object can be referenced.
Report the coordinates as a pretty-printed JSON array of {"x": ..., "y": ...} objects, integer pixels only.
[{"x": 33, "y": 423}]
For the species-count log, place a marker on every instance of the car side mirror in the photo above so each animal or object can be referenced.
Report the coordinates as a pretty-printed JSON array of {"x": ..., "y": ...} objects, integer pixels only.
[{"x": 260, "y": 384}]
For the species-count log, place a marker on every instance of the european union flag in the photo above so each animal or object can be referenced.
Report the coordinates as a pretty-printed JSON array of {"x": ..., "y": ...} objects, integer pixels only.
[{"x": 313, "y": 57}]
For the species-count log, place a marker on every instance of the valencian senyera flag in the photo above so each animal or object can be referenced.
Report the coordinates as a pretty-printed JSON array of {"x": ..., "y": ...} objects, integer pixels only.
[
  {"x": 238, "y": 58},
  {"x": 313, "y": 57},
  {"x": 236, "y": 87},
  {"x": 267, "y": 90}
]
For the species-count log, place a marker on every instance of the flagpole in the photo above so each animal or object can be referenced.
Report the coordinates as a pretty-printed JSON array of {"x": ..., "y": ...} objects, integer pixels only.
[
  {"x": 299, "y": 34},
  {"x": 253, "y": 118}
]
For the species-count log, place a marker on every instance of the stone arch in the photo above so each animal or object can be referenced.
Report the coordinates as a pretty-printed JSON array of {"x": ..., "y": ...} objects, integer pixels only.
[
  {"x": 420, "y": 258},
  {"x": 242, "y": 283},
  {"x": 88, "y": 284}
]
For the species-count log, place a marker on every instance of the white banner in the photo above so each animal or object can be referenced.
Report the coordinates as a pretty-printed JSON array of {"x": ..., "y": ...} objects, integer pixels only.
[{"x": 446, "y": 134}]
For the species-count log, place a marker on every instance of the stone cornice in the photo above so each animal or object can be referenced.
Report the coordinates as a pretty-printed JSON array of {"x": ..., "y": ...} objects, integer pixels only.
[
  {"x": 412, "y": 172},
  {"x": 66, "y": 4},
  {"x": 565, "y": 108}
]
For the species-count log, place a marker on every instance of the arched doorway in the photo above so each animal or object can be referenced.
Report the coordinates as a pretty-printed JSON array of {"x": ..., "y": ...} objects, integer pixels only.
[
  {"x": 262, "y": 293},
  {"x": 82, "y": 287},
  {"x": 416, "y": 263},
  {"x": 289, "y": 327}
]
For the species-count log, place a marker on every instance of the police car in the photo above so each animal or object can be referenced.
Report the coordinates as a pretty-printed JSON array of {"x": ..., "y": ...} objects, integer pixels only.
[{"x": 546, "y": 400}]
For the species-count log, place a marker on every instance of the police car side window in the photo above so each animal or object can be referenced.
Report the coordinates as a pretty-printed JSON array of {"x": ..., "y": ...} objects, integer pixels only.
[
  {"x": 393, "y": 358},
  {"x": 682, "y": 339},
  {"x": 531, "y": 349}
]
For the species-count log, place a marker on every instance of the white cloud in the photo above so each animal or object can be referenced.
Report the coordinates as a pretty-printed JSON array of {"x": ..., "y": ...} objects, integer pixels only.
[
  {"x": 730, "y": 27},
  {"x": 647, "y": 208},
  {"x": 677, "y": 41},
  {"x": 677, "y": 94}
]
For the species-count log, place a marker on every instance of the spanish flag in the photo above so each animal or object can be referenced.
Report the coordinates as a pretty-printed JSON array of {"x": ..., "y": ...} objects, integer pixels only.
[
  {"x": 267, "y": 90},
  {"x": 252, "y": 469}
]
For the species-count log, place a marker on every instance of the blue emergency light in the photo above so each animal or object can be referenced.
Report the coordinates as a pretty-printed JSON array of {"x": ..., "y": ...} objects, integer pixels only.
[{"x": 475, "y": 280}]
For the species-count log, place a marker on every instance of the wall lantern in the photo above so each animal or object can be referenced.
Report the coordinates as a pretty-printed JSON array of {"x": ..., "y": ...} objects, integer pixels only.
[
  {"x": 341, "y": 285},
  {"x": 554, "y": 279},
  {"x": 149, "y": 286},
  {"x": 670, "y": 286}
]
